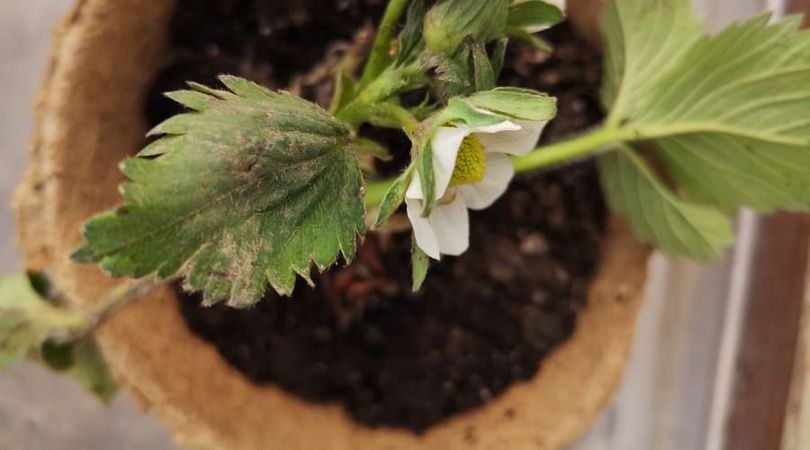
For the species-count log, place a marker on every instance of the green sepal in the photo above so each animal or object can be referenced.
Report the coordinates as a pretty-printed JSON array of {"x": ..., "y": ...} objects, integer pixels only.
[
  {"x": 499, "y": 56},
  {"x": 393, "y": 198},
  {"x": 482, "y": 68},
  {"x": 517, "y": 103},
  {"x": 420, "y": 263},
  {"x": 531, "y": 39},
  {"x": 427, "y": 177},
  {"x": 411, "y": 35},
  {"x": 534, "y": 15}
]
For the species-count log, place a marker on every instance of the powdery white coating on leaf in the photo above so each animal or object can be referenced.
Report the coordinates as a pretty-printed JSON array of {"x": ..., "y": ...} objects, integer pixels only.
[{"x": 251, "y": 189}]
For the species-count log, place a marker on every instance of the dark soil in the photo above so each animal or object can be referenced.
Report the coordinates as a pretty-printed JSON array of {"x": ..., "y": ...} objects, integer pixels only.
[{"x": 360, "y": 338}]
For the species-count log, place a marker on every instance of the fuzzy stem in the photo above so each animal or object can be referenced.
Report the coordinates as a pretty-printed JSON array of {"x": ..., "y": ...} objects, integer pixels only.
[
  {"x": 380, "y": 57},
  {"x": 88, "y": 320},
  {"x": 585, "y": 145}
]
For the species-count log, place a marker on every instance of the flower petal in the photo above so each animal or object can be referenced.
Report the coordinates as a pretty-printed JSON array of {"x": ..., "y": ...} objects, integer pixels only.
[
  {"x": 446, "y": 143},
  {"x": 451, "y": 223},
  {"x": 445, "y": 232},
  {"x": 498, "y": 174},
  {"x": 518, "y": 142},
  {"x": 422, "y": 229},
  {"x": 501, "y": 127}
]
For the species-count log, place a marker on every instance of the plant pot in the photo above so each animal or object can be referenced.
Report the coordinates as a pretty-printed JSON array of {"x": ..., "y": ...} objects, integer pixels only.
[{"x": 89, "y": 117}]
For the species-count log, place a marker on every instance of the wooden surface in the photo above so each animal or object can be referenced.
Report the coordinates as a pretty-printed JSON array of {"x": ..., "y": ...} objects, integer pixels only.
[
  {"x": 765, "y": 364},
  {"x": 795, "y": 6}
]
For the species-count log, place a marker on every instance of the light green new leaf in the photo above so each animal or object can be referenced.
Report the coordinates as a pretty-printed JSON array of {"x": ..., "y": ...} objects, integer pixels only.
[
  {"x": 657, "y": 214},
  {"x": 27, "y": 321},
  {"x": 252, "y": 188},
  {"x": 728, "y": 115},
  {"x": 19, "y": 305}
]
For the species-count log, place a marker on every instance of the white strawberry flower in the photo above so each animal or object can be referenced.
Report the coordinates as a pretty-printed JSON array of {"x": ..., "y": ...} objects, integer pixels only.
[{"x": 472, "y": 170}]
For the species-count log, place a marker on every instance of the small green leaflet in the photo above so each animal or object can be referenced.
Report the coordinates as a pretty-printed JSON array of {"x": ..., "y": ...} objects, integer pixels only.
[
  {"x": 84, "y": 363},
  {"x": 250, "y": 188},
  {"x": 19, "y": 302},
  {"x": 728, "y": 115},
  {"x": 27, "y": 321}
]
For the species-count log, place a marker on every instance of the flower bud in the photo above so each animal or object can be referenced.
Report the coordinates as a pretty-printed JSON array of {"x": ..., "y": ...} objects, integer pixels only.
[{"x": 450, "y": 21}]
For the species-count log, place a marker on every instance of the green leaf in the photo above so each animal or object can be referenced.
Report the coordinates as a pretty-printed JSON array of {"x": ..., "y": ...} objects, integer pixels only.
[
  {"x": 251, "y": 190},
  {"x": 644, "y": 40},
  {"x": 657, "y": 214},
  {"x": 90, "y": 370},
  {"x": 57, "y": 356},
  {"x": 727, "y": 114},
  {"x": 420, "y": 265},
  {"x": 534, "y": 15},
  {"x": 20, "y": 307},
  {"x": 411, "y": 35},
  {"x": 84, "y": 362},
  {"x": 449, "y": 22},
  {"x": 517, "y": 103}
]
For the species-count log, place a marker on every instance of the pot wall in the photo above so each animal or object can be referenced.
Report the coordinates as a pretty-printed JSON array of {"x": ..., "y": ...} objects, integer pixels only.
[{"x": 89, "y": 118}]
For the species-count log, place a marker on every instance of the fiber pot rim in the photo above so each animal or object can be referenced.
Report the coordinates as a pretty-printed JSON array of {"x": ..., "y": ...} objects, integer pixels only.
[{"x": 88, "y": 117}]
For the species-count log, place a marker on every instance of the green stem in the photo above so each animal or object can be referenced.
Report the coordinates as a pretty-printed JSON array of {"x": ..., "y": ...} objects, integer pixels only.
[
  {"x": 380, "y": 57},
  {"x": 585, "y": 145},
  {"x": 85, "y": 321}
]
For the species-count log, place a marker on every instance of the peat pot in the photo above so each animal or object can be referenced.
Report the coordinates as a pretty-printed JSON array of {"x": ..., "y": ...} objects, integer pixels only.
[{"x": 89, "y": 117}]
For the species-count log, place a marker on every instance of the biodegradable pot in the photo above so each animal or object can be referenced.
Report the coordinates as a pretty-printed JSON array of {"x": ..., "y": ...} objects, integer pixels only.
[{"x": 89, "y": 117}]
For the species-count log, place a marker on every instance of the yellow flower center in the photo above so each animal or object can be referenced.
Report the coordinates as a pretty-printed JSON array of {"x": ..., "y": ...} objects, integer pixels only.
[{"x": 470, "y": 162}]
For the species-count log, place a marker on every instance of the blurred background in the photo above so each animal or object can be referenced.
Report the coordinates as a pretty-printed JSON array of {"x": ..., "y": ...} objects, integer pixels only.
[{"x": 718, "y": 360}]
